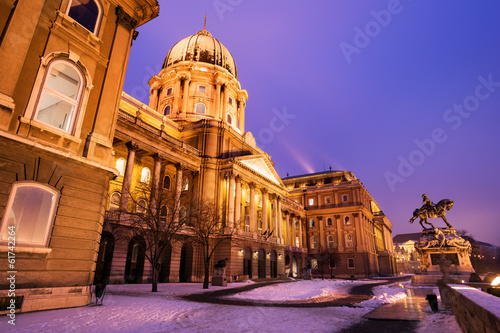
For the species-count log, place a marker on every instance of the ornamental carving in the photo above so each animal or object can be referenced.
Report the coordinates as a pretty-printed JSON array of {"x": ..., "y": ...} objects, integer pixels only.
[{"x": 124, "y": 19}]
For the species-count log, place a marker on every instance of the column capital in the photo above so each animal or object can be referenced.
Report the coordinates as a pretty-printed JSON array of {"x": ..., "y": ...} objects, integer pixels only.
[
  {"x": 229, "y": 174},
  {"x": 251, "y": 185},
  {"x": 238, "y": 178},
  {"x": 131, "y": 145},
  {"x": 264, "y": 191},
  {"x": 158, "y": 157},
  {"x": 180, "y": 166}
]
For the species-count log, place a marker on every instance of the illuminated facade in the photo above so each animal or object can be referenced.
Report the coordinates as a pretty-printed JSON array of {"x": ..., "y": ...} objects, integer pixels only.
[
  {"x": 347, "y": 233},
  {"x": 62, "y": 66},
  {"x": 191, "y": 139}
]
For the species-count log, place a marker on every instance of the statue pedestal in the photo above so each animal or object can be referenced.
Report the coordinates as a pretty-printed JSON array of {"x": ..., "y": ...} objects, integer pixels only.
[
  {"x": 219, "y": 278},
  {"x": 440, "y": 244}
]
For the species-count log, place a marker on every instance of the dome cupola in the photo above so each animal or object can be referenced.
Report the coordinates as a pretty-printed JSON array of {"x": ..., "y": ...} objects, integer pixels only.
[{"x": 201, "y": 47}]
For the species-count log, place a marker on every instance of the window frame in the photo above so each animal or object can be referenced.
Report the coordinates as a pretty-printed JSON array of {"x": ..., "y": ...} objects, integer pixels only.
[
  {"x": 312, "y": 223},
  {"x": 111, "y": 200},
  {"x": 169, "y": 91},
  {"x": 347, "y": 220},
  {"x": 310, "y": 201},
  {"x": 349, "y": 242},
  {"x": 314, "y": 243},
  {"x": 29, "y": 114},
  {"x": 76, "y": 103},
  {"x": 329, "y": 222},
  {"x": 202, "y": 87},
  {"x": 332, "y": 241},
  {"x": 165, "y": 110},
  {"x": 145, "y": 178},
  {"x": 345, "y": 198},
  {"x": 98, "y": 21},
  {"x": 49, "y": 221},
  {"x": 204, "y": 109}
]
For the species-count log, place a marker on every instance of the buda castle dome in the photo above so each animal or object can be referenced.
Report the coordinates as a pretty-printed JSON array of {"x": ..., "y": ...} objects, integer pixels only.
[{"x": 201, "y": 47}]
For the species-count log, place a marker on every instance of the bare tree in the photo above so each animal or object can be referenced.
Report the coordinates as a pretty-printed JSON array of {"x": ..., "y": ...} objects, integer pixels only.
[
  {"x": 157, "y": 223},
  {"x": 327, "y": 258},
  {"x": 208, "y": 233}
]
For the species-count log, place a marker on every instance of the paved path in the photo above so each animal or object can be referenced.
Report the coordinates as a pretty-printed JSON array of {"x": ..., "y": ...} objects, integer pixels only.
[{"x": 356, "y": 295}]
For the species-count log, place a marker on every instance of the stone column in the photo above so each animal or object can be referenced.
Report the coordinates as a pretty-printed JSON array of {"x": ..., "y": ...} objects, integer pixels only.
[
  {"x": 177, "y": 96},
  {"x": 127, "y": 178},
  {"x": 155, "y": 185},
  {"x": 360, "y": 245},
  {"x": 223, "y": 103},
  {"x": 218, "y": 85},
  {"x": 340, "y": 235},
  {"x": 153, "y": 98},
  {"x": 241, "y": 125},
  {"x": 252, "y": 207},
  {"x": 264, "y": 210},
  {"x": 187, "y": 80},
  {"x": 300, "y": 234},
  {"x": 178, "y": 190},
  {"x": 294, "y": 235},
  {"x": 287, "y": 228},
  {"x": 275, "y": 216},
  {"x": 237, "y": 202},
  {"x": 230, "y": 201},
  {"x": 279, "y": 220}
]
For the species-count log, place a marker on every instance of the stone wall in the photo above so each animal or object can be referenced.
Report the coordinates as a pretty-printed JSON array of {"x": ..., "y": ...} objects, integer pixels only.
[{"x": 475, "y": 311}]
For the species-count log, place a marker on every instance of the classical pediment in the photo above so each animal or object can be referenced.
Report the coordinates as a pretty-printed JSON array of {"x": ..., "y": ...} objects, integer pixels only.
[{"x": 262, "y": 167}]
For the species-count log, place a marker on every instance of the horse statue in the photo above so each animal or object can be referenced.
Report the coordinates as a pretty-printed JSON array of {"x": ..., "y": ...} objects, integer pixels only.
[{"x": 439, "y": 211}]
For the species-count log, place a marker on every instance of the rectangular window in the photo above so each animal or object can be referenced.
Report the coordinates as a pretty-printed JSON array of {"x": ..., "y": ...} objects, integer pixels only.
[
  {"x": 345, "y": 198},
  {"x": 169, "y": 91},
  {"x": 350, "y": 263},
  {"x": 202, "y": 89},
  {"x": 230, "y": 100},
  {"x": 30, "y": 212},
  {"x": 311, "y": 201}
]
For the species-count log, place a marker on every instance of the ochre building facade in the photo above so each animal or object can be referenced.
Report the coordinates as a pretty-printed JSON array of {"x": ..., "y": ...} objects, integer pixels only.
[{"x": 62, "y": 67}]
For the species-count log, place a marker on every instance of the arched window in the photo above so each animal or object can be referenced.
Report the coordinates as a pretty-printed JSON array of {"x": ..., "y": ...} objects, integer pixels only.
[
  {"x": 185, "y": 184},
  {"x": 141, "y": 206},
  {"x": 329, "y": 222},
  {"x": 60, "y": 95},
  {"x": 347, "y": 220},
  {"x": 86, "y": 12},
  {"x": 166, "y": 182},
  {"x": 331, "y": 241},
  {"x": 29, "y": 213},
  {"x": 313, "y": 242},
  {"x": 120, "y": 166},
  {"x": 145, "y": 175},
  {"x": 200, "y": 108},
  {"x": 348, "y": 240},
  {"x": 229, "y": 119},
  {"x": 114, "y": 201},
  {"x": 312, "y": 223},
  {"x": 166, "y": 111}
]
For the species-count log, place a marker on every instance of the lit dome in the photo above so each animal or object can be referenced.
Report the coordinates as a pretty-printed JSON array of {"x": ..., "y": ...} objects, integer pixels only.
[{"x": 204, "y": 48}]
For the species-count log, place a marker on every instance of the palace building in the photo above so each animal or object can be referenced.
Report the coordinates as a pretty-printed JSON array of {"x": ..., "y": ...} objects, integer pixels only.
[
  {"x": 191, "y": 140},
  {"x": 62, "y": 67},
  {"x": 78, "y": 157}
]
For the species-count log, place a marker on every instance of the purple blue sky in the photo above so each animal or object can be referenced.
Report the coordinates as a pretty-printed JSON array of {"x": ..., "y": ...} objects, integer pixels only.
[{"x": 369, "y": 84}]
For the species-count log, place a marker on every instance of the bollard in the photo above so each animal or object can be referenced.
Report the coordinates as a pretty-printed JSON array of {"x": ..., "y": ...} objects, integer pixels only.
[{"x": 433, "y": 302}]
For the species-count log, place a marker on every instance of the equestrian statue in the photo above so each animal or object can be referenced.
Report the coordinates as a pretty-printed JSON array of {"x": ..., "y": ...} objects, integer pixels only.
[{"x": 429, "y": 210}]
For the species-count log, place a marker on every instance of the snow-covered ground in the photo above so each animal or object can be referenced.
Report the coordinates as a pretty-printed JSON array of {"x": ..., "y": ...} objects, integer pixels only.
[{"x": 133, "y": 308}]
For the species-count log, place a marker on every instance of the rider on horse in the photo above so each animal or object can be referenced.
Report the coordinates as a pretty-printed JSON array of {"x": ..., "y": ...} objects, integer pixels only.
[{"x": 428, "y": 204}]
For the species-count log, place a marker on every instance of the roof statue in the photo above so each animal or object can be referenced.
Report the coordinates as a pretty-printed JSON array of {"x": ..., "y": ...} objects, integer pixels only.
[{"x": 429, "y": 210}]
